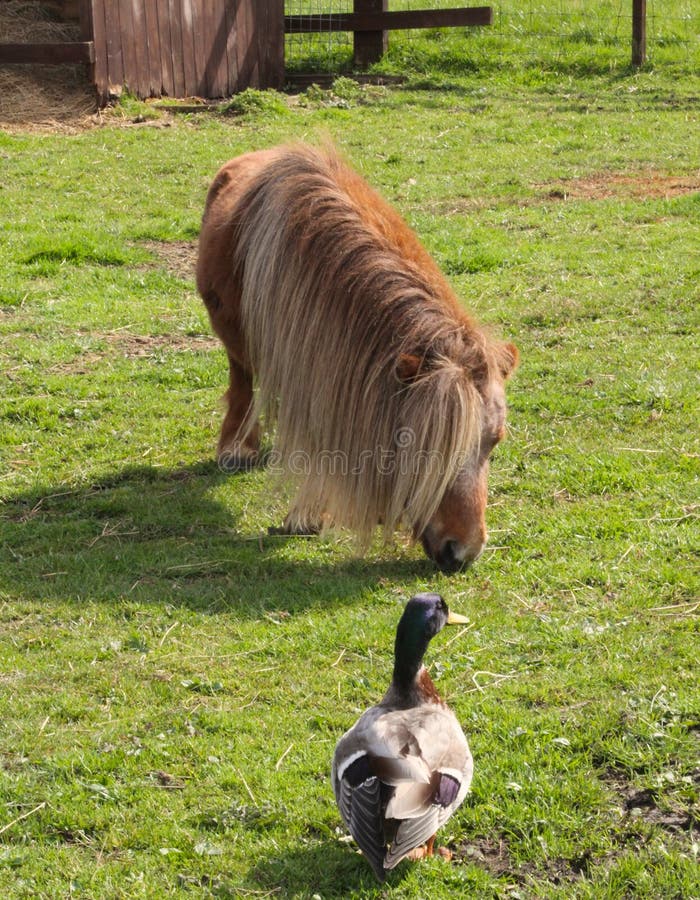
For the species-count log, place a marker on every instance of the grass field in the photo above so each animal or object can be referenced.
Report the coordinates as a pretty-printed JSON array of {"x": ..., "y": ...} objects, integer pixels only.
[{"x": 173, "y": 681}]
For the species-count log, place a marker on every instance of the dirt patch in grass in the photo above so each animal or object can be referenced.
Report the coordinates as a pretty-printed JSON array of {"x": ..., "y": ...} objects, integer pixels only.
[
  {"x": 645, "y": 185},
  {"x": 494, "y": 856},
  {"x": 645, "y": 804},
  {"x": 135, "y": 346},
  {"x": 180, "y": 257},
  {"x": 638, "y": 805},
  {"x": 487, "y": 853}
]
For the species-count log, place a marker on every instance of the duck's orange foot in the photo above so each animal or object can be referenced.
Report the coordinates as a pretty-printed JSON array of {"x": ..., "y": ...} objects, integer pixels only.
[
  {"x": 418, "y": 853},
  {"x": 429, "y": 849}
]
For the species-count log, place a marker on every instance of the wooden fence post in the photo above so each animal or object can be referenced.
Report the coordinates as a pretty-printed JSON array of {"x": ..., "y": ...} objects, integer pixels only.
[
  {"x": 369, "y": 46},
  {"x": 639, "y": 33}
]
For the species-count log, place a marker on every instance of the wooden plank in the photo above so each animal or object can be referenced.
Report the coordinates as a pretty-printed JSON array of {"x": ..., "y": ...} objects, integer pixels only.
[
  {"x": 138, "y": 76},
  {"x": 86, "y": 33},
  {"x": 369, "y": 46},
  {"x": 125, "y": 38},
  {"x": 417, "y": 18},
  {"x": 155, "y": 79},
  {"x": 85, "y": 19},
  {"x": 188, "y": 54},
  {"x": 231, "y": 47},
  {"x": 639, "y": 33},
  {"x": 99, "y": 37},
  {"x": 200, "y": 43},
  {"x": 176, "y": 48},
  {"x": 115, "y": 65},
  {"x": 208, "y": 35},
  {"x": 218, "y": 67},
  {"x": 167, "y": 78},
  {"x": 246, "y": 75},
  {"x": 270, "y": 31},
  {"x": 71, "y": 53}
]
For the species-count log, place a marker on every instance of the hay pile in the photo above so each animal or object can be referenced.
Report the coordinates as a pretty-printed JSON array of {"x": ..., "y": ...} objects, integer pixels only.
[{"x": 44, "y": 96}]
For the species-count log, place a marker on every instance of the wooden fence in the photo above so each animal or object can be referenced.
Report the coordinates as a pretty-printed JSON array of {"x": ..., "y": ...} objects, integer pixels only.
[
  {"x": 214, "y": 48},
  {"x": 371, "y": 19}
]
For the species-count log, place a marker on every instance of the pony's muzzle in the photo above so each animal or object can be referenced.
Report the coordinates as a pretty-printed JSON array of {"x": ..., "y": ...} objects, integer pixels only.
[{"x": 448, "y": 554}]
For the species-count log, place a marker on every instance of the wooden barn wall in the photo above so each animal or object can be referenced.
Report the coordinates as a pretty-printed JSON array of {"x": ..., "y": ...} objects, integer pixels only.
[{"x": 187, "y": 48}]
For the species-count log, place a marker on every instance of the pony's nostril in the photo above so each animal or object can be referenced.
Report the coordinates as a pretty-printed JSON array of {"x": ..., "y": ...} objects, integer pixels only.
[{"x": 450, "y": 556}]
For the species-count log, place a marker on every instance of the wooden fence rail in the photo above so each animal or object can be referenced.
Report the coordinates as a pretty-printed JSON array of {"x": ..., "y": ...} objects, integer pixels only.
[
  {"x": 389, "y": 21},
  {"x": 70, "y": 53}
]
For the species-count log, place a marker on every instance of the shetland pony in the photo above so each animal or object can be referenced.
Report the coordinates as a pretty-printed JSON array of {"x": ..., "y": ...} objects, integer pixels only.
[{"x": 387, "y": 397}]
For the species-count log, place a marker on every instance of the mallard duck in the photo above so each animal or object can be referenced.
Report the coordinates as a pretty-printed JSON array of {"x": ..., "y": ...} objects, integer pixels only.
[{"x": 404, "y": 767}]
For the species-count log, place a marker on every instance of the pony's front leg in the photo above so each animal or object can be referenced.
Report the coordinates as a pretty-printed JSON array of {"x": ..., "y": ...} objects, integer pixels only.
[
  {"x": 302, "y": 524},
  {"x": 239, "y": 444}
]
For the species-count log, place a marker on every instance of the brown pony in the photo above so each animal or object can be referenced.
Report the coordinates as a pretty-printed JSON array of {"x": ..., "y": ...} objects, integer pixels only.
[{"x": 387, "y": 396}]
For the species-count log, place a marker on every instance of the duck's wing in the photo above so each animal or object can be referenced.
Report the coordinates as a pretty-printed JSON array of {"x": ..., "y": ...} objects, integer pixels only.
[
  {"x": 361, "y": 799},
  {"x": 411, "y": 833},
  {"x": 419, "y": 814},
  {"x": 369, "y": 761},
  {"x": 379, "y": 744}
]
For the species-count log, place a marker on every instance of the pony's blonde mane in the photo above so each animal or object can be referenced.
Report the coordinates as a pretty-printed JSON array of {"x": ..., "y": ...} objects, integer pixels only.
[{"x": 336, "y": 290}]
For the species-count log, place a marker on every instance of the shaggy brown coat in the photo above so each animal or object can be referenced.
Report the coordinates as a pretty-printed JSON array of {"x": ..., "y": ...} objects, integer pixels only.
[{"x": 376, "y": 378}]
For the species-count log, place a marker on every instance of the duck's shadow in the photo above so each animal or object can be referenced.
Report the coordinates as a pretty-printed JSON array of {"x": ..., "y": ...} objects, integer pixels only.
[{"x": 327, "y": 869}]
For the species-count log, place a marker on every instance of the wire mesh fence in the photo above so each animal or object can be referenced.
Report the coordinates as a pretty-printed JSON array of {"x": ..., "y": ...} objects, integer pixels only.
[{"x": 593, "y": 33}]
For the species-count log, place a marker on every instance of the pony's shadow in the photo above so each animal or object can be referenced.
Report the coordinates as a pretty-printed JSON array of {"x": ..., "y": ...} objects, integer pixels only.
[
  {"x": 165, "y": 535},
  {"x": 326, "y": 869}
]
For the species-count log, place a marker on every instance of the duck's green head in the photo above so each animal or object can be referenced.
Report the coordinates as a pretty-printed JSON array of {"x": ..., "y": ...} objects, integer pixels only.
[{"x": 425, "y": 616}]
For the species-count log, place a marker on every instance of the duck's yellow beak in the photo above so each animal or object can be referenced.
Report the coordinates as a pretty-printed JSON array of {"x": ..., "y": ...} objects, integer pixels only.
[{"x": 455, "y": 619}]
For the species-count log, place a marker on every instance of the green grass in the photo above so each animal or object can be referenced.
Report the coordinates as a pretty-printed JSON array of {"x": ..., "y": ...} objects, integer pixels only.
[{"x": 172, "y": 682}]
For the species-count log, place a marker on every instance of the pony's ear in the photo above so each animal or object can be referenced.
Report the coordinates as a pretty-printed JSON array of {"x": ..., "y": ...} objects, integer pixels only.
[
  {"x": 408, "y": 366},
  {"x": 508, "y": 357}
]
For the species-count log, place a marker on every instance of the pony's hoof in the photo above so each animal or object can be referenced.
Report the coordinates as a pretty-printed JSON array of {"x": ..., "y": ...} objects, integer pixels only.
[
  {"x": 233, "y": 462},
  {"x": 295, "y": 530}
]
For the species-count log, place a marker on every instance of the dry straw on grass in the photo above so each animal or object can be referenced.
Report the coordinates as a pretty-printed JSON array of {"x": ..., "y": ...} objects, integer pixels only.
[{"x": 52, "y": 97}]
